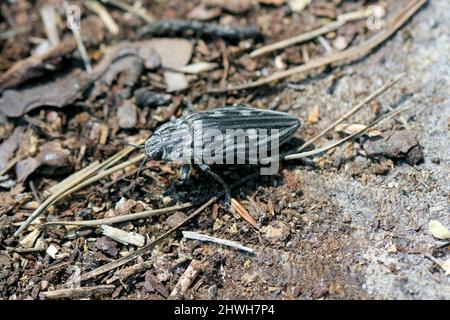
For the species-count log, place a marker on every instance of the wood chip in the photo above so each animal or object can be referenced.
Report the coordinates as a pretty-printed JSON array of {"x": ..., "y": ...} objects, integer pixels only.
[
  {"x": 29, "y": 240},
  {"x": 78, "y": 293},
  {"x": 122, "y": 236},
  {"x": 187, "y": 278},
  {"x": 52, "y": 250},
  {"x": 314, "y": 115},
  {"x": 438, "y": 230}
]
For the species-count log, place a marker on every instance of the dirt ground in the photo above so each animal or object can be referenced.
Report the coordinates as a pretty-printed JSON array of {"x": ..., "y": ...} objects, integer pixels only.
[{"x": 342, "y": 225}]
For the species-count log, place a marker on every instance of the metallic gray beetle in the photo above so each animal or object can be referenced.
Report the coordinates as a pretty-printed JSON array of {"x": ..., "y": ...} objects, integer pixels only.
[{"x": 174, "y": 137}]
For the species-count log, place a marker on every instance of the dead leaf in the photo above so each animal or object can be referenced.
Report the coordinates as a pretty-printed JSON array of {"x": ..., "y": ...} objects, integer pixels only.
[
  {"x": 174, "y": 54},
  {"x": 9, "y": 146},
  {"x": 438, "y": 230},
  {"x": 175, "y": 219},
  {"x": 58, "y": 91},
  {"x": 26, "y": 167},
  {"x": 152, "y": 284},
  {"x": 36, "y": 66},
  {"x": 107, "y": 245},
  {"x": 52, "y": 154}
]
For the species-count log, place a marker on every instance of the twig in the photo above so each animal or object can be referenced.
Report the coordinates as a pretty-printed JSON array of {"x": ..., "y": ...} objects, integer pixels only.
[
  {"x": 243, "y": 213},
  {"x": 82, "y": 49},
  {"x": 124, "y": 218},
  {"x": 353, "y": 110},
  {"x": 120, "y": 262},
  {"x": 350, "y": 54},
  {"x": 350, "y": 137},
  {"x": 300, "y": 38},
  {"x": 79, "y": 293},
  {"x": 101, "y": 11},
  {"x": 203, "y": 237},
  {"x": 127, "y": 272},
  {"x": 125, "y": 7},
  {"x": 48, "y": 15},
  {"x": 187, "y": 278},
  {"x": 76, "y": 184}
]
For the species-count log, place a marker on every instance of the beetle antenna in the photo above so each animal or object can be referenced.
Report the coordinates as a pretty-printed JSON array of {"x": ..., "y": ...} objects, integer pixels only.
[
  {"x": 140, "y": 146},
  {"x": 137, "y": 173}
]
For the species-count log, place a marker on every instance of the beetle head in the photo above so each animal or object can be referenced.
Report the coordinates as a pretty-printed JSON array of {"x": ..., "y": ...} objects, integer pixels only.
[{"x": 154, "y": 148}]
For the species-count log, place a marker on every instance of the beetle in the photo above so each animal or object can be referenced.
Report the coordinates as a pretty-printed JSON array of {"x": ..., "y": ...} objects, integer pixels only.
[{"x": 238, "y": 134}]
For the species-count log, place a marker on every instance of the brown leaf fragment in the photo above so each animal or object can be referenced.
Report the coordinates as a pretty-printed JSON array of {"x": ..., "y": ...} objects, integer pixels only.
[
  {"x": 175, "y": 219},
  {"x": 9, "y": 146},
  {"x": 107, "y": 245},
  {"x": 175, "y": 53},
  {"x": 52, "y": 154},
  {"x": 36, "y": 66},
  {"x": 26, "y": 167},
  {"x": 58, "y": 91},
  {"x": 152, "y": 284},
  {"x": 126, "y": 70}
]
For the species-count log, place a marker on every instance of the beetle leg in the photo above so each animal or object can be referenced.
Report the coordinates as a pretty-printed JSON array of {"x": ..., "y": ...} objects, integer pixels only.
[
  {"x": 207, "y": 169},
  {"x": 185, "y": 172}
]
